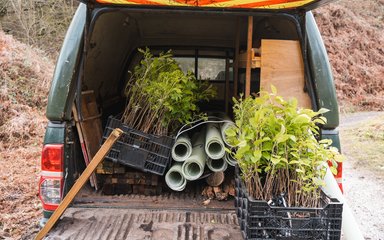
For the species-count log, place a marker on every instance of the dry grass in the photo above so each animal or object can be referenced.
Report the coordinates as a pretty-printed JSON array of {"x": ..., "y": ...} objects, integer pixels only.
[
  {"x": 354, "y": 38},
  {"x": 364, "y": 141},
  {"x": 24, "y": 76}
]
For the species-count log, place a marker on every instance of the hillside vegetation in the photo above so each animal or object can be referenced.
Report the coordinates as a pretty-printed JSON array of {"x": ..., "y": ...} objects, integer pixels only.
[
  {"x": 24, "y": 77},
  {"x": 353, "y": 32}
]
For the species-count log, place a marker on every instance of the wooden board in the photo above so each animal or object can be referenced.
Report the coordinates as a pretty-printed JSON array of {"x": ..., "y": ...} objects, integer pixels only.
[
  {"x": 249, "y": 57},
  {"x": 255, "y": 60},
  {"x": 90, "y": 126},
  {"x": 282, "y": 66},
  {"x": 92, "y": 179},
  {"x": 90, "y": 123},
  {"x": 107, "y": 167},
  {"x": 134, "y": 178}
]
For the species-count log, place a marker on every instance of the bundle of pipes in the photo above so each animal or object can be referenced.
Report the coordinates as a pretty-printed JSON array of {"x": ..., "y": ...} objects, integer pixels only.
[
  {"x": 193, "y": 167},
  {"x": 214, "y": 145},
  {"x": 206, "y": 147},
  {"x": 175, "y": 179},
  {"x": 182, "y": 149}
]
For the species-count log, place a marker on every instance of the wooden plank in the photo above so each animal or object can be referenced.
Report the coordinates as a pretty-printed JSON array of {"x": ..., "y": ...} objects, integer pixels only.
[
  {"x": 90, "y": 124},
  {"x": 249, "y": 57},
  {"x": 99, "y": 156},
  {"x": 236, "y": 62},
  {"x": 92, "y": 179},
  {"x": 227, "y": 97},
  {"x": 108, "y": 167},
  {"x": 255, "y": 60},
  {"x": 282, "y": 66}
]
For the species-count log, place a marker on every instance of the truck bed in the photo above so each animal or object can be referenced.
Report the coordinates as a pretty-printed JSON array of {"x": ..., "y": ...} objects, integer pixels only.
[{"x": 167, "y": 216}]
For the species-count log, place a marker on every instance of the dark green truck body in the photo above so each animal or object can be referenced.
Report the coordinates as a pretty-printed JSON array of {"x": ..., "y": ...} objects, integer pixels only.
[{"x": 69, "y": 73}]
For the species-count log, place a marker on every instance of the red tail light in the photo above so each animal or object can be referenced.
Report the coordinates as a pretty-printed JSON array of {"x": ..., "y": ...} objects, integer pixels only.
[
  {"x": 52, "y": 158},
  {"x": 339, "y": 175},
  {"x": 51, "y": 180}
]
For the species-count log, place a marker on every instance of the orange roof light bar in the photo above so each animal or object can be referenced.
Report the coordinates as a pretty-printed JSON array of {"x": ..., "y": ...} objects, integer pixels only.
[{"x": 254, "y": 4}]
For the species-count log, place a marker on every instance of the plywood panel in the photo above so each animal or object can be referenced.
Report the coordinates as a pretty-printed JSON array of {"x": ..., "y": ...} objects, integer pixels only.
[
  {"x": 91, "y": 123},
  {"x": 89, "y": 129},
  {"x": 282, "y": 66}
]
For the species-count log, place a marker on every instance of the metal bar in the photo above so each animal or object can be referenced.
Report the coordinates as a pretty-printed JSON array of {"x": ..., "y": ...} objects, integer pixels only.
[{"x": 84, "y": 147}]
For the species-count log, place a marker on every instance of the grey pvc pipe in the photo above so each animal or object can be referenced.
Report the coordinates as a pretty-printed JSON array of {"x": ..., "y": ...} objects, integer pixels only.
[
  {"x": 350, "y": 229},
  {"x": 182, "y": 148},
  {"x": 193, "y": 167},
  {"x": 175, "y": 179},
  {"x": 224, "y": 128},
  {"x": 230, "y": 159},
  {"x": 214, "y": 145},
  {"x": 217, "y": 165}
]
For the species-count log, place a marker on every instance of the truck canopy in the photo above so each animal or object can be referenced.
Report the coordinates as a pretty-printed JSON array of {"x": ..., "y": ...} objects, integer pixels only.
[{"x": 266, "y": 5}]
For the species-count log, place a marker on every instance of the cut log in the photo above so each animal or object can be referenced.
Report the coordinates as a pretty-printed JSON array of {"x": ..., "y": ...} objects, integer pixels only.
[
  {"x": 208, "y": 192},
  {"x": 219, "y": 194},
  {"x": 215, "y": 179}
]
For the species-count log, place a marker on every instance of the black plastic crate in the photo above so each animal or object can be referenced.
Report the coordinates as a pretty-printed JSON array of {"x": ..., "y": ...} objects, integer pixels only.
[
  {"x": 146, "y": 152},
  {"x": 259, "y": 220}
]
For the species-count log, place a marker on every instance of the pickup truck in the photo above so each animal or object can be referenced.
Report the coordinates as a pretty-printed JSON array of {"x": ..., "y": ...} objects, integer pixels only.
[{"x": 207, "y": 37}]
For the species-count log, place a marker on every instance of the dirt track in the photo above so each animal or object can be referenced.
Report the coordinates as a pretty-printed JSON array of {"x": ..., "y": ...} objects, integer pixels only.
[{"x": 363, "y": 187}]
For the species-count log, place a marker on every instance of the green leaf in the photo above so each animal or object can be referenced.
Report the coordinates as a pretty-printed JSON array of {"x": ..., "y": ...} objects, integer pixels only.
[
  {"x": 322, "y": 111},
  {"x": 293, "y": 138},
  {"x": 267, "y": 146},
  {"x": 301, "y": 119},
  {"x": 333, "y": 170},
  {"x": 241, "y": 151},
  {"x": 292, "y": 162},
  {"x": 325, "y": 141},
  {"x": 275, "y": 159},
  {"x": 266, "y": 155},
  {"x": 339, "y": 158},
  {"x": 257, "y": 155},
  {"x": 319, "y": 121},
  {"x": 282, "y": 138},
  {"x": 230, "y": 132},
  {"x": 318, "y": 182}
]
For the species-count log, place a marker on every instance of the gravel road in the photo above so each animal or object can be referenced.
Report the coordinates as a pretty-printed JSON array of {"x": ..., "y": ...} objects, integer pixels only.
[{"x": 363, "y": 188}]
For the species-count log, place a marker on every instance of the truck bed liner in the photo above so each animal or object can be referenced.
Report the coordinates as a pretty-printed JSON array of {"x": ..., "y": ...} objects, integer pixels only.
[
  {"x": 174, "y": 215},
  {"x": 187, "y": 200},
  {"x": 104, "y": 223}
]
